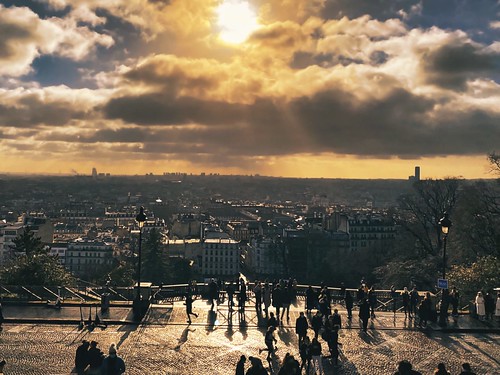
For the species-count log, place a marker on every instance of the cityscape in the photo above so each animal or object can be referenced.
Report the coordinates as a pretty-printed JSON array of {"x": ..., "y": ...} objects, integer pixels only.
[{"x": 249, "y": 186}]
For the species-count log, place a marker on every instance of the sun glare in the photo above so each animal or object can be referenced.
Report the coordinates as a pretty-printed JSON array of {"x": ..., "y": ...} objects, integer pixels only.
[{"x": 236, "y": 20}]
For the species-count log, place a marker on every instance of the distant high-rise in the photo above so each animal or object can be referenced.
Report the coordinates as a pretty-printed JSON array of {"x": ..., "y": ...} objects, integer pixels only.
[
  {"x": 417, "y": 173},
  {"x": 94, "y": 173}
]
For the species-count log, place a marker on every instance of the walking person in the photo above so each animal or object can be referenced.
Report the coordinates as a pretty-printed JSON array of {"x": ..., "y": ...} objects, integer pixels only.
[
  {"x": 310, "y": 299},
  {"x": 189, "y": 307},
  {"x": 349, "y": 303},
  {"x": 414, "y": 298},
  {"x": 230, "y": 296},
  {"x": 364, "y": 314},
  {"x": 394, "y": 297},
  {"x": 242, "y": 298},
  {"x": 82, "y": 357},
  {"x": 270, "y": 342},
  {"x": 316, "y": 356},
  {"x": 405, "y": 296},
  {"x": 213, "y": 293},
  {"x": 333, "y": 345},
  {"x": 286, "y": 300},
  {"x": 266, "y": 298},
  {"x": 480, "y": 309},
  {"x": 305, "y": 354},
  {"x": 316, "y": 323},
  {"x": 272, "y": 321},
  {"x": 277, "y": 301},
  {"x": 257, "y": 291},
  {"x": 113, "y": 364},
  {"x": 301, "y": 327}
]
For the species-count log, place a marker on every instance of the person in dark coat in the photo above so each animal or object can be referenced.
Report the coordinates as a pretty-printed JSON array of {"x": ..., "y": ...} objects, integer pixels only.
[
  {"x": 269, "y": 340},
  {"x": 441, "y": 370},
  {"x": 424, "y": 310},
  {"x": 455, "y": 300},
  {"x": 489, "y": 305},
  {"x": 364, "y": 313},
  {"x": 82, "y": 357},
  {"x": 405, "y": 368},
  {"x": 240, "y": 366},
  {"x": 372, "y": 299},
  {"x": 333, "y": 345},
  {"x": 316, "y": 323},
  {"x": 336, "y": 319},
  {"x": 213, "y": 293},
  {"x": 96, "y": 356},
  {"x": 230, "y": 295},
  {"x": 360, "y": 293},
  {"x": 414, "y": 298},
  {"x": 467, "y": 370},
  {"x": 311, "y": 301},
  {"x": 113, "y": 364},
  {"x": 301, "y": 327},
  {"x": 286, "y": 301},
  {"x": 276, "y": 296},
  {"x": 256, "y": 367},
  {"x": 349, "y": 303},
  {"x": 305, "y": 354},
  {"x": 272, "y": 321},
  {"x": 394, "y": 297},
  {"x": 405, "y": 296}
]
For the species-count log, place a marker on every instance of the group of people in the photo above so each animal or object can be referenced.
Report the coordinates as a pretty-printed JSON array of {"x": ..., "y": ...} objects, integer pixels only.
[
  {"x": 486, "y": 307},
  {"x": 90, "y": 360},
  {"x": 406, "y": 368}
]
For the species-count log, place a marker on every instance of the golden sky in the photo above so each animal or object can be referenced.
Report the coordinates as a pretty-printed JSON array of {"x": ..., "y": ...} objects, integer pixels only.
[{"x": 302, "y": 88}]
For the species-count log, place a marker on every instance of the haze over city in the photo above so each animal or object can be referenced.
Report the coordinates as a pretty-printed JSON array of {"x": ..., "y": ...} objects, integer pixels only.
[{"x": 303, "y": 88}]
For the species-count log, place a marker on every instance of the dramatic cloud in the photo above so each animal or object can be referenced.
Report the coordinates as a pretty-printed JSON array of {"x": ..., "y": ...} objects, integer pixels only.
[{"x": 330, "y": 82}]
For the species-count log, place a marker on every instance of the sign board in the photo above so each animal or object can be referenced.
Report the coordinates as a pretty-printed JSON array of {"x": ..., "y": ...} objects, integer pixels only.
[{"x": 443, "y": 283}]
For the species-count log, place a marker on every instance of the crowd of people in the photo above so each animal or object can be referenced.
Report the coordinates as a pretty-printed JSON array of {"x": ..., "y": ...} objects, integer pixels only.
[{"x": 90, "y": 360}]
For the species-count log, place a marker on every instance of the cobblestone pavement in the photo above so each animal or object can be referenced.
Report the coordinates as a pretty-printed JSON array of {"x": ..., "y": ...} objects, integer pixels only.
[{"x": 215, "y": 341}]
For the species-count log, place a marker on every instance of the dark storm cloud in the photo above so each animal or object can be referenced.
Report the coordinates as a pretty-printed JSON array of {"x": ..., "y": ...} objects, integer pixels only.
[
  {"x": 451, "y": 66},
  {"x": 330, "y": 121},
  {"x": 31, "y": 112}
]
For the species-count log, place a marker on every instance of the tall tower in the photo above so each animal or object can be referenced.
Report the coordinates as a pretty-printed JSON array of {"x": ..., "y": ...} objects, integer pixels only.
[
  {"x": 417, "y": 173},
  {"x": 94, "y": 173}
]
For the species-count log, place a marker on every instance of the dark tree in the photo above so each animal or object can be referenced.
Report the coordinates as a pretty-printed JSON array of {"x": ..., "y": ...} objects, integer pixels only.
[
  {"x": 154, "y": 263},
  {"x": 28, "y": 243}
]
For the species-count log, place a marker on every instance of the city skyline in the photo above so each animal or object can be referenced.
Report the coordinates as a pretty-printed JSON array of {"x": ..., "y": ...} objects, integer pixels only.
[{"x": 322, "y": 88}]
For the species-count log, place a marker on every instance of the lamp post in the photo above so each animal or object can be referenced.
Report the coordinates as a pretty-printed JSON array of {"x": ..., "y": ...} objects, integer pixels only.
[
  {"x": 445, "y": 224},
  {"x": 140, "y": 218}
]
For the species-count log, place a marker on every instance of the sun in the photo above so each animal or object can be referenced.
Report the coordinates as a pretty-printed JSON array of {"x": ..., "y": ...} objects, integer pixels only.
[{"x": 236, "y": 20}]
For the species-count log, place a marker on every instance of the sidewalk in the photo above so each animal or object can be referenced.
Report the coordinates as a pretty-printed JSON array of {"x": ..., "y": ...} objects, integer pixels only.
[{"x": 175, "y": 314}]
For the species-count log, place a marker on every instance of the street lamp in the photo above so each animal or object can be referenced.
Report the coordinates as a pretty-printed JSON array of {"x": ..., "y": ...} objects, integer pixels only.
[
  {"x": 445, "y": 223},
  {"x": 140, "y": 218}
]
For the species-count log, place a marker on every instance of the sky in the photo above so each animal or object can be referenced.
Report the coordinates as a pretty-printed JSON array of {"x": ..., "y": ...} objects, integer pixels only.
[{"x": 292, "y": 88}]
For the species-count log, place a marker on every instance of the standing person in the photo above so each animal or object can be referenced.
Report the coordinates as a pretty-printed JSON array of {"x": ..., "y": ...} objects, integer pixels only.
[
  {"x": 240, "y": 366},
  {"x": 305, "y": 354},
  {"x": 82, "y": 357},
  {"x": 480, "y": 310},
  {"x": 189, "y": 306},
  {"x": 310, "y": 299},
  {"x": 405, "y": 296},
  {"x": 266, "y": 296},
  {"x": 323, "y": 303},
  {"x": 96, "y": 356},
  {"x": 242, "y": 297},
  {"x": 213, "y": 293},
  {"x": 414, "y": 298},
  {"x": 364, "y": 313},
  {"x": 316, "y": 356},
  {"x": 316, "y": 323},
  {"x": 394, "y": 296},
  {"x": 489, "y": 305},
  {"x": 349, "y": 303},
  {"x": 1, "y": 316},
  {"x": 113, "y": 364},
  {"x": 497, "y": 307},
  {"x": 257, "y": 291},
  {"x": 372, "y": 299},
  {"x": 270, "y": 341},
  {"x": 230, "y": 296},
  {"x": 334, "y": 344},
  {"x": 286, "y": 300},
  {"x": 424, "y": 311},
  {"x": 276, "y": 296},
  {"x": 301, "y": 327},
  {"x": 455, "y": 300},
  {"x": 405, "y": 368},
  {"x": 360, "y": 293},
  {"x": 466, "y": 369},
  {"x": 441, "y": 370}
]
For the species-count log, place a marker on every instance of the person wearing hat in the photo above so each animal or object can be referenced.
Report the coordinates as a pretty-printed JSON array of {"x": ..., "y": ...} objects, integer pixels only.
[
  {"x": 113, "y": 364},
  {"x": 82, "y": 357}
]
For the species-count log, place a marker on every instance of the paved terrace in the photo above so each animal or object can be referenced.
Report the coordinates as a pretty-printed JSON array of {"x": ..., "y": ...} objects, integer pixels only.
[{"x": 40, "y": 340}]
